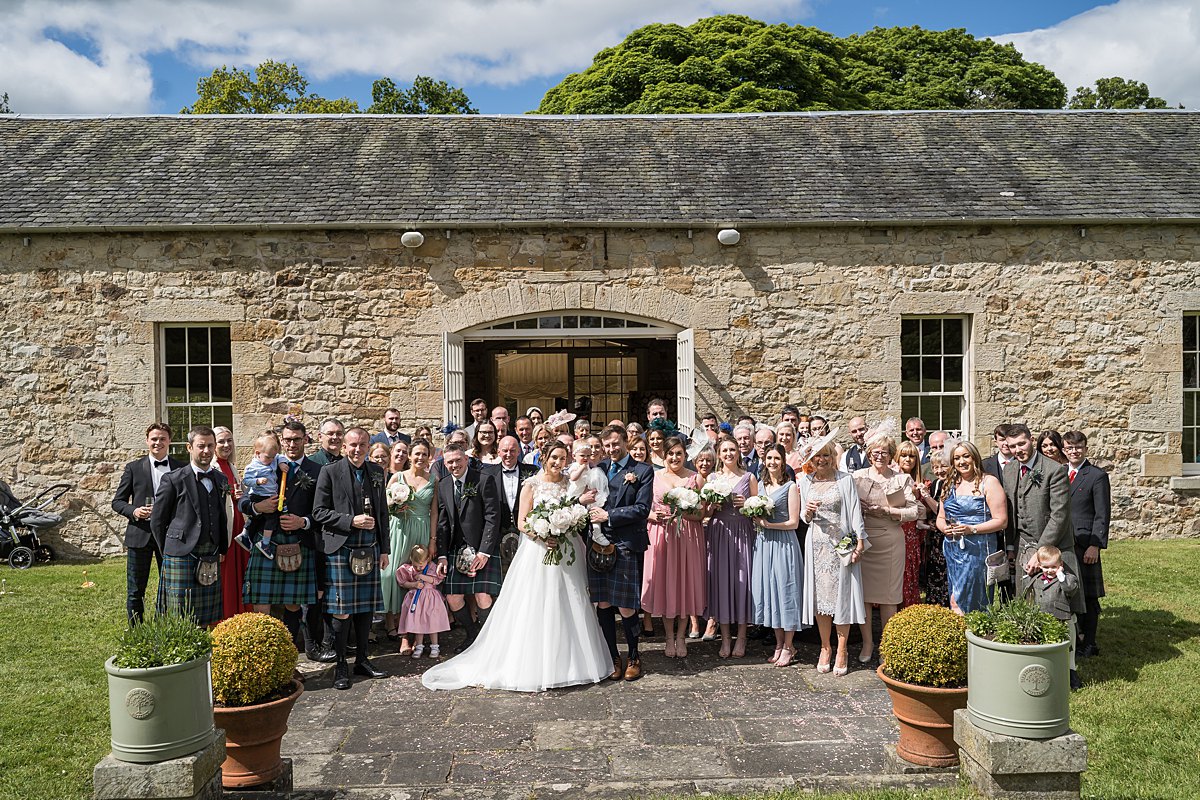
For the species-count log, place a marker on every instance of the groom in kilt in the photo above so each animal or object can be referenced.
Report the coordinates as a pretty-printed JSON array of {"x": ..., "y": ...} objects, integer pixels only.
[
  {"x": 623, "y": 521},
  {"x": 281, "y": 581},
  {"x": 189, "y": 523},
  {"x": 351, "y": 507}
]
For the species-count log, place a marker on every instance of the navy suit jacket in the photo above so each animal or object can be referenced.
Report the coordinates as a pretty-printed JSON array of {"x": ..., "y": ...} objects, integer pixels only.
[
  {"x": 381, "y": 438},
  {"x": 175, "y": 521},
  {"x": 628, "y": 505},
  {"x": 136, "y": 485},
  {"x": 1091, "y": 506}
]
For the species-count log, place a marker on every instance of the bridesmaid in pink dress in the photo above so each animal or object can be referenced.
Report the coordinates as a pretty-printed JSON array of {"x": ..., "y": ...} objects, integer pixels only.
[
  {"x": 675, "y": 571},
  {"x": 424, "y": 609}
]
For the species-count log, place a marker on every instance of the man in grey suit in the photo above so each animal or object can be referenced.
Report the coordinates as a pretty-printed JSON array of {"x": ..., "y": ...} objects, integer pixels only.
[
  {"x": 1039, "y": 509},
  {"x": 1091, "y": 509}
]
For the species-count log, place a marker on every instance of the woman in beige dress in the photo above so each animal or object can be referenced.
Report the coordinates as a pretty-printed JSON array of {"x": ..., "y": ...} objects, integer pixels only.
[{"x": 887, "y": 500}]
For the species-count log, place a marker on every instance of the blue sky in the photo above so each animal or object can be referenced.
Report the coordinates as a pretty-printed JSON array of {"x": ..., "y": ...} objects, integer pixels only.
[{"x": 145, "y": 56}]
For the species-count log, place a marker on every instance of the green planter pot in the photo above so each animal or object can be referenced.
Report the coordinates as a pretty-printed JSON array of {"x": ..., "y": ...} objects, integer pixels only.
[
  {"x": 160, "y": 713},
  {"x": 1019, "y": 690}
]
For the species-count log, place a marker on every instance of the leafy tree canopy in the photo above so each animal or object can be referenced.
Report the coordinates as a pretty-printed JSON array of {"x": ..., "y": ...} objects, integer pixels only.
[
  {"x": 1115, "y": 93},
  {"x": 426, "y": 96},
  {"x": 4, "y": 107},
  {"x": 733, "y": 63}
]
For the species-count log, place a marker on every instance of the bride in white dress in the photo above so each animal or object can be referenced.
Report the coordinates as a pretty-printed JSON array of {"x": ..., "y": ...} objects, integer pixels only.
[{"x": 542, "y": 632}]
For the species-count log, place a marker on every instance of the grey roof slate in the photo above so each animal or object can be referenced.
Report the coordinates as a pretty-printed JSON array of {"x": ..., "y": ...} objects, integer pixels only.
[{"x": 360, "y": 170}]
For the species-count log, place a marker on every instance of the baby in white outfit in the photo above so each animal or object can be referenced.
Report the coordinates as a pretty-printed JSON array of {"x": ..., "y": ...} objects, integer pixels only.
[{"x": 584, "y": 477}]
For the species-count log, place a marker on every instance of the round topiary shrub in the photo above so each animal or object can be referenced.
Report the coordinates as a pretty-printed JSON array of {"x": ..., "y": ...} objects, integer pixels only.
[
  {"x": 252, "y": 658},
  {"x": 926, "y": 645}
]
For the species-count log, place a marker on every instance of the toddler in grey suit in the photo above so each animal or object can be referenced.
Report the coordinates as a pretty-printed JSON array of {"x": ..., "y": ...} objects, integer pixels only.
[{"x": 1053, "y": 589}]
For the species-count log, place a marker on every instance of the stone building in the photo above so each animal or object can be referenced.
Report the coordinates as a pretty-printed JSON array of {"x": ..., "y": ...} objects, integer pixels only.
[{"x": 973, "y": 267}]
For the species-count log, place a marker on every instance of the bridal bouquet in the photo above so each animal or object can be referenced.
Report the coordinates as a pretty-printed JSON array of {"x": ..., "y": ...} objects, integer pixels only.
[
  {"x": 559, "y": 520},
  {"x": 718, "y": 489},
  {"x": 758, "y": 507},
  {"x": 681, "y": 500},
  {"x": 398, "y": 495}
]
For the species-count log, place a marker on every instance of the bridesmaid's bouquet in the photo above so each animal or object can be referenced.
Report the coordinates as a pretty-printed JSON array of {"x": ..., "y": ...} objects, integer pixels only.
[
  {"x": 398, "y": 495},
  {"x": 718, "y": 489},
  {"x": 681, "y": 500},
  {"x": 758, "y": 507},
  {"x": 558, "y": 520}
]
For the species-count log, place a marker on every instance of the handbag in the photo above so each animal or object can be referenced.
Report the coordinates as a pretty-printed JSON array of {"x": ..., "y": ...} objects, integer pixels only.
[
  {"x": 362, "y": 560},
  {"x": 288, "y": 557},
  {"x": 997, "y": 567},
  {"x": 602, "y": 558},
  {"x": 208, "y": 570}
]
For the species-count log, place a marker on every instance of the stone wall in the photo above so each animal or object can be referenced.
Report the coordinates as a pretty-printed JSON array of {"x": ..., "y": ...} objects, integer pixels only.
[{"x": 1071, "y": 327}]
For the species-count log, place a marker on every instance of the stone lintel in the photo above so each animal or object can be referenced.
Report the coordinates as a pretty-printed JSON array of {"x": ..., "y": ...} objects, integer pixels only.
[
  {"x": 190, "y": 776},
  {"x": 1157, "y": 417},
  {"x": 999, "y": 754},
  {"x": 1162, "y": 465}
]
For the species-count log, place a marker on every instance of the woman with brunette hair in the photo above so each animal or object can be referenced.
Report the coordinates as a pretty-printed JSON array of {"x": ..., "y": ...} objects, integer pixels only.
[
  {"x": 638, "y": 449},
  {"x": 833, "y": 586},
  {"x": 778, "y": 567},
  {"x": 1050, "y": 444},
  {"x": 731, "y": 553},
  {"x": 656, "y": 440},
  {"x": 485, "y": 446},
  {"x": 674, "y": 578},
  {"x": 974, "y": 508},
  {"x": 908, "y": 459},
  {"x": 397, "y": 458}
]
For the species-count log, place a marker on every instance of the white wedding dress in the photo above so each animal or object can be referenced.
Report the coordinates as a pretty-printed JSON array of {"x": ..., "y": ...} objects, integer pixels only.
[{"x": 542, "y": 632}]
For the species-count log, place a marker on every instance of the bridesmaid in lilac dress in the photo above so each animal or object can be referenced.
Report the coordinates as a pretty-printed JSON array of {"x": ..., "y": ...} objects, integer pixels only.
[{"x": 731, "y": 553}]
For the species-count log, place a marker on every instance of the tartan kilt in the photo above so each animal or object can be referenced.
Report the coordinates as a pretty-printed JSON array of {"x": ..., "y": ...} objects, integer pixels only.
[
  {"x": 347, "y": 593},
  {"x": 177, "y": 588},
  {"x": 622, "y": 586},
  {"x": 266, "y": 584},
  {"x": 1091, "y": 576},
  {"x": 486, "y": 580}
]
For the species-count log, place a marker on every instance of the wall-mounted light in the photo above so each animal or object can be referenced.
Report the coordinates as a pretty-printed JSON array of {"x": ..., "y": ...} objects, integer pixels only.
[
  {"x": 728, "y": 236},
  {"x": 412, "y": 239}
]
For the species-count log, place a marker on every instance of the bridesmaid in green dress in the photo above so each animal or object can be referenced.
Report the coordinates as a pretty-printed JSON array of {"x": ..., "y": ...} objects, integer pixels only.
[{"x": 416, "y": 524}]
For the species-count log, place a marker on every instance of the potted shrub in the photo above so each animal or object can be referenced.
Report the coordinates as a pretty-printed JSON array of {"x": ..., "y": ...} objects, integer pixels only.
[
  {"x": 253, "y": 692},
  {"x": 924, "y": 666},
  {"x": 159, "y": 701},
  {"x": 1018, "y": 664}
]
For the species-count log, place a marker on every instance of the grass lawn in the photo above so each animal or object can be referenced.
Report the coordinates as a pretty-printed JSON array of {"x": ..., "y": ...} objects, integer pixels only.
[{"x": 1140, "y": 709}]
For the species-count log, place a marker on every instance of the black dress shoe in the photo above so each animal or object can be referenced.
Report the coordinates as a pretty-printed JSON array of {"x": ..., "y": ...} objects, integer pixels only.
[
  {"x": 367, "y": 669},
  {"x": 323, "y": 656},
  {"x": 1076, "y": 681},
  {"x": 341, "y": 676},
  {"x": 1087, "y": 651}
]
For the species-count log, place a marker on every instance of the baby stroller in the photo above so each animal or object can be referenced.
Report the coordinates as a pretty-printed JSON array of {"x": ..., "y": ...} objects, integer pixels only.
[{"x": 19, "y": 527}]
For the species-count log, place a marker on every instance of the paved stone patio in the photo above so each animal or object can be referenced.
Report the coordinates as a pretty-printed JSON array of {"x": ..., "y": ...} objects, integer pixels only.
[{"x": 696, "y": 725}]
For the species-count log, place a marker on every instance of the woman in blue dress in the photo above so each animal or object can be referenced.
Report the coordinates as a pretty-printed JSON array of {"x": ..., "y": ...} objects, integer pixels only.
[
  {"x": 973, "y": 510},
  {"x": 778, "y": 567}
]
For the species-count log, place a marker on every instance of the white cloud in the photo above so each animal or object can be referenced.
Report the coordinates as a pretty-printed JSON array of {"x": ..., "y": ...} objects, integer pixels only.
[
  {"x": 498, "y": 42},
  {"x": 1153, "y": 41}
]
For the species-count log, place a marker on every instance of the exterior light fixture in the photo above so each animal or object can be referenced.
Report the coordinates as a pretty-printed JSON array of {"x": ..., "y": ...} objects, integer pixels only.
[
  {"x": 728, "y": 236},
  {"x": 412, "y": 239}
]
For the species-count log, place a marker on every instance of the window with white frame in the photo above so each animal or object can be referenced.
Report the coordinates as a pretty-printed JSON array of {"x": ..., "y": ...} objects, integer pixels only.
[
  {"x": 933, "y": 371},
  {"x": 196, "y": 377},
  {"x": 1191, "y": 393}
]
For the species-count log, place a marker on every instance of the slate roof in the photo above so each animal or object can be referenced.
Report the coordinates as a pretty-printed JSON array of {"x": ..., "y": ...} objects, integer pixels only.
[{"x": 701, "y": 170}]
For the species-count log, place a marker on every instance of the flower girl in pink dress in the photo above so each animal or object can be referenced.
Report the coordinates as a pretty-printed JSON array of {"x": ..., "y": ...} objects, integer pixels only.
[{"x": 424, "y": 609}]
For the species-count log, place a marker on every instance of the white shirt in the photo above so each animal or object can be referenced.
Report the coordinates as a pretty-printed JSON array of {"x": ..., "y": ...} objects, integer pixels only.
[
  {"x": 510, "y": 483},
  {"x": 207, "y": 481},
  {"x": 156, "y": 471}
]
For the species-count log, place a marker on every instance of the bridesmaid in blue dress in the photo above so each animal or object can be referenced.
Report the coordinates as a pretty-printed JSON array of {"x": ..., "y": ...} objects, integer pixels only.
[
  {"x": 778, "y": 566},
  {"x": 730, "y": 539},
  {"x": 973, "y": 509}
]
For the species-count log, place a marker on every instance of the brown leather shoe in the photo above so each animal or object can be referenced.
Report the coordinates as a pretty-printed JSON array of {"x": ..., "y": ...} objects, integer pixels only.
[
  {"x": 634, "y": 670},
  {"x": 618, "y": 669}
]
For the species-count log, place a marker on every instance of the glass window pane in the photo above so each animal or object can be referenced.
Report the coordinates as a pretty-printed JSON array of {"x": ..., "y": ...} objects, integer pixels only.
[
  {"x": 633, "y": 324},
  {"x": 910, "y": 406},
  {"x": 175, "y": 346},
  {"x": 1189, "y": 408},
  {"x": 910, "y": 374},
  {"x": 526, "y": 324},
  {"x": 570, "y": 322},
  {"x": 223, "y": 415},
  {"x": 198, "y": 385},
  {"x": 177, "y": 418},
  {"x": 197, "y": 345},
  {"x": 611, "y": 322},
  {"x": 549, "y": 322},
  {"x": 953, "y": 335},
  {"x": 220, "y": 345},
  {"x": 931, "y": 374},
  {"x": 222, "y": 385},
  {"x": 1191, "y": 371},
  {"x": 952, "y": 371},
  {"x": 1191, "y": 332},
  {"x": 176, "y": 388},
  {"x": 931, "y": 337},
  {"x": 1190, "y": 456},
  {"x": 910, "y": 337},
  {"x": 951, "y": 414},
  {"x": 589, "y": 322}
]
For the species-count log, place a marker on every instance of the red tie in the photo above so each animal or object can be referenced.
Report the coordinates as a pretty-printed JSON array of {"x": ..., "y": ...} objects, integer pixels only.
[
  {"x": 1024, "y": 470},
  {"x": 1071, "y": 477}
]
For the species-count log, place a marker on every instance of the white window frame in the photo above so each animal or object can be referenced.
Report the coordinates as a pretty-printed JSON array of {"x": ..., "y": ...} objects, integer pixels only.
[
  {"x": 966, "y": 413},
  {"x": 1193, "y": 318},
  {"x": 164, "y": 402}
]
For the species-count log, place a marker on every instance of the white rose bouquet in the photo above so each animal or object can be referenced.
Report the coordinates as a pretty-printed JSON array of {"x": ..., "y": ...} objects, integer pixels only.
[
  {"x": 398, "y": 494},
  {"x": 681, "y": 500},
  {"x": 758, "y": 507},
  {"x": 558, "y": 520},
  {"x": 718, "y": 489}
]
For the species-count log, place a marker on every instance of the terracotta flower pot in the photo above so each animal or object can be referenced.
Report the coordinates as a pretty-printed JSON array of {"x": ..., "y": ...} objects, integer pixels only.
[
  {"x": 926, "y": 717},
  {"x": 253, "y": 735}
]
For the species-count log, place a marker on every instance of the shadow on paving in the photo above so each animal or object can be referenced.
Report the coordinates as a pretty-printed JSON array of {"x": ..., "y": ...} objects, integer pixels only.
[{"x": 689, "y": 725}]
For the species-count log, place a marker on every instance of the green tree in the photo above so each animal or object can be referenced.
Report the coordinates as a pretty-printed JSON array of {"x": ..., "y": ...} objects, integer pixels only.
[
  {"x": 1115, "y": 93},
  {"x": 914, "y": 68},
  {"x": 4, "y": 106},
  {"x": 733, "y": 63},
  {"x": 274, "y": 88},
  {"x": 426, "y": 96}
]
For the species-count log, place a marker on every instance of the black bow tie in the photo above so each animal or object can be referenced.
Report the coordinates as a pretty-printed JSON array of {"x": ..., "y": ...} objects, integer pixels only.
[
  {"x": 202, "y": 475},
  {"x": 162, "y": 463},
  {"x": 512, "y": 471}
]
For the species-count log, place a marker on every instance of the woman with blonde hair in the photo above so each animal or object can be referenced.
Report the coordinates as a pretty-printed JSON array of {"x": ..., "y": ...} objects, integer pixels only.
[
  {"x": 974, "y": 508},
  {"x": 542, "y": 434},
  {"x": 887, "y": 500}
]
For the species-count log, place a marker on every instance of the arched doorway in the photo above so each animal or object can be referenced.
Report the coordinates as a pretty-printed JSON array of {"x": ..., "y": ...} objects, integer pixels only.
[{"x": 551, "y": 359}]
